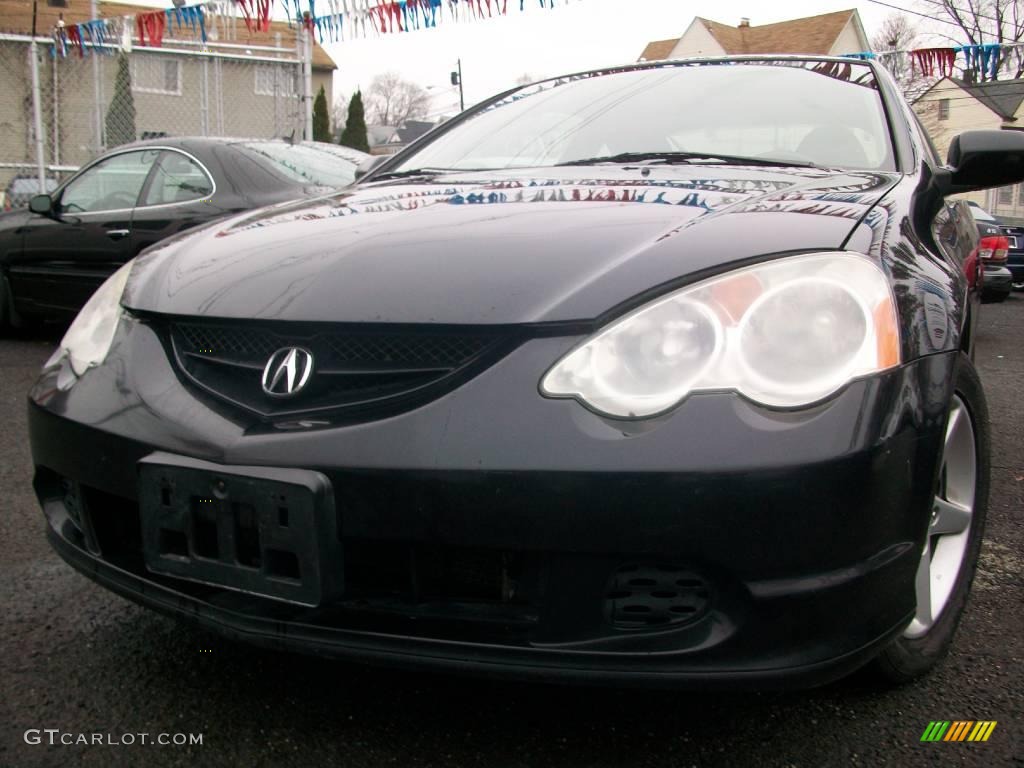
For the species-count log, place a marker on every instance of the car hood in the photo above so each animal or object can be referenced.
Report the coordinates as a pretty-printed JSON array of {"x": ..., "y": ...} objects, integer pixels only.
[
  {"x": 11, "y": 220},
  {"x": 497, "y": 247}
]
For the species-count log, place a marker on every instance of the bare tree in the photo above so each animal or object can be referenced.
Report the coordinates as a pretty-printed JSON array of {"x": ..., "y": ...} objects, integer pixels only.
[
  {"x": 897, "y": 33},
  {"x": 987, "y": 21},
  {"x": 525, "y": 79},
  {"x": 391, "y": 100}
]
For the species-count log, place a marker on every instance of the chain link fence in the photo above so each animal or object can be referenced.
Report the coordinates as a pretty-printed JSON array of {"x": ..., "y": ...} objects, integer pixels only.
[{"x": 91, "y": 103}]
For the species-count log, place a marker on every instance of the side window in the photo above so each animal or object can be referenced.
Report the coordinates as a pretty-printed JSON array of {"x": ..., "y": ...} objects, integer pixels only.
[
  {"x": 177, "y": 179},
  {"x": 111, "y": 184}
]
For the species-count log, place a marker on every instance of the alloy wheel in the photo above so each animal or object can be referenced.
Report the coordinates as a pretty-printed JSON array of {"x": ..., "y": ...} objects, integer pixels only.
[{"x": 949, "y": 529}]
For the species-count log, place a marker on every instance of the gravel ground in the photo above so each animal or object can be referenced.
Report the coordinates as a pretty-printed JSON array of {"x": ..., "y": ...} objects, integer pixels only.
[{"x": 77, "y": 658}]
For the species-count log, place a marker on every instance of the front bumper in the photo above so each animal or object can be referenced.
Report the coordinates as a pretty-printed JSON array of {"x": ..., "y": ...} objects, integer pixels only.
[{"x": 803, "y": 529}]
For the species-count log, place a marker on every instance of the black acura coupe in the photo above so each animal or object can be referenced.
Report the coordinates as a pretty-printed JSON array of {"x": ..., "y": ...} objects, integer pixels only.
[{"x": 658, "y": 374}]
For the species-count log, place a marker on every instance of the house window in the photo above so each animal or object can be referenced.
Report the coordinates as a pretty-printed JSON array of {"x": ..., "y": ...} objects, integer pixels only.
[
  {"x": 274, "y": 79},
  {"x": 943, "y": 109},
  {"x": 1006, "y": 196},
  {"x": 156, "y": 74}
]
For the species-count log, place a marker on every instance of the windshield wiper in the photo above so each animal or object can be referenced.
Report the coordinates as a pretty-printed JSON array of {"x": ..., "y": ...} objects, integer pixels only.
[
  {"x": 669, "y": 158},
  {"x": 415, "y": 172}
]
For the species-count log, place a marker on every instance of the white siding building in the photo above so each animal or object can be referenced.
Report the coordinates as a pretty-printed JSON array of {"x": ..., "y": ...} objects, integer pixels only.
[{"x": 953, "y": 106}]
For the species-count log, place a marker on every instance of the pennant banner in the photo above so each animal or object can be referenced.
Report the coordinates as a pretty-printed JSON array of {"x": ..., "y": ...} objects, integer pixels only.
[
  {"x": 333, "y": 21},
  {"x": 354, "y": 19},
  {"x": 987, "y": 60},
  {"x": 108, "y": 36}
]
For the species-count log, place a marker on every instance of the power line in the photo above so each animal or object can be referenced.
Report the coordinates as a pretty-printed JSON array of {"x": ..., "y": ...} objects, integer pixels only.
[
  {"x": 916, "y": 13},
  {"x": 963, "y": 11},
  {"x": 948, "y": 6}
]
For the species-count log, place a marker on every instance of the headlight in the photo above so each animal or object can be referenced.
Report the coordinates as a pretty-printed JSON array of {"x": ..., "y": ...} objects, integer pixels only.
[
  {"x": 88, "y": 340},
  {"x": 785, "y": 334}
]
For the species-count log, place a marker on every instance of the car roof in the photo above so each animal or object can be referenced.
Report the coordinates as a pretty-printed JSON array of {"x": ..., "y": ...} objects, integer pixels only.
[
  {"x": 690, "y": 61},
  {"x": 192, "y": 141},
  {"x": 209, "y": 142}
]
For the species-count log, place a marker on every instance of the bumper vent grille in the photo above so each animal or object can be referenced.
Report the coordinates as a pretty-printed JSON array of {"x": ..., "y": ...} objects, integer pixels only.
[
  {"x": 354, "y": 367},
  {"x": 648, "y": 596}
]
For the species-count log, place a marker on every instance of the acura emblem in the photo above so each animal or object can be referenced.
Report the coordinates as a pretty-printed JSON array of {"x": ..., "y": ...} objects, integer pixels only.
[{"x": 287, "y": 371}]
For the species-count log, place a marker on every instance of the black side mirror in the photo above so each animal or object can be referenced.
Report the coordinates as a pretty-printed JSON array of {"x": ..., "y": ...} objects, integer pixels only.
[
  {"x": 42, "y": 204},
  {"x": 369, "y": 164},
  {"x": 984, "y": 159}
]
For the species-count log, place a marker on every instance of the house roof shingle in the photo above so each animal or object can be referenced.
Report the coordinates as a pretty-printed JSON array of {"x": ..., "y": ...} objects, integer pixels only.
[
  {"x": 16, "y": 18},
  {"x": 1003, "y": 97},
  {"x": 659, "y": 49},
  {"x": 413, "y": 129},
  {"x": 813, "y": 34}
]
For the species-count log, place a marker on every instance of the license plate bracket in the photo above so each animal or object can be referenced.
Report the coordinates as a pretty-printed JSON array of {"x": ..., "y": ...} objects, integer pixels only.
[{"x": 261, "y": 530}]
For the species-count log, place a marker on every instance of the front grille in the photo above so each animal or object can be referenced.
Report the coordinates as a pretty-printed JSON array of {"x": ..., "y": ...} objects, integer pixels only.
[
  {"x": 354, "y": 367},
  {"x": 426, "y": 588}
]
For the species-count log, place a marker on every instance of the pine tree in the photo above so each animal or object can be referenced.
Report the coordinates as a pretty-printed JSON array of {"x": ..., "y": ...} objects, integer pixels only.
[
  {"x": 121, "y": 113},
  {"x": 354, "y": 134},
  {"x": 321, "y": 123}
]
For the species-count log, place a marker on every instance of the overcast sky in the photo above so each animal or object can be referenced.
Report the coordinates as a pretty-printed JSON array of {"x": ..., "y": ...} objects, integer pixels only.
[{"x": 540, "y": 42}]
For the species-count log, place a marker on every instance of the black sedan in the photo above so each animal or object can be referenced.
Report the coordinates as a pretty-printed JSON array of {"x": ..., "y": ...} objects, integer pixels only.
[
  {"x": 601, "y": 380},
  {"x": 55, "y": 254}
]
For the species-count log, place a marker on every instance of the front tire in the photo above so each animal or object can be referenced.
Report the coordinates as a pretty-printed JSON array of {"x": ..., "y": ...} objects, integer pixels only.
[{"x": 950, "y": 554}]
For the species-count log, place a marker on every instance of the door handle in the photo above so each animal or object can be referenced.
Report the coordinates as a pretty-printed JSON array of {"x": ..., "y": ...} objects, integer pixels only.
[{"x": 117, "y": 234}]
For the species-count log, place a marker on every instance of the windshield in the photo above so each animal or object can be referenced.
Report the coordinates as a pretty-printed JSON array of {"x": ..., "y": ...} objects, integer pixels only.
[
  {"x": 792, "y": 112},
  {"x": 304, "y": 164}
]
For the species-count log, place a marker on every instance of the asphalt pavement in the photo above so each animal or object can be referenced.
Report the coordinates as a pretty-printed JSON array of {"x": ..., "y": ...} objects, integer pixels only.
[{"x": 76, "y": 660}]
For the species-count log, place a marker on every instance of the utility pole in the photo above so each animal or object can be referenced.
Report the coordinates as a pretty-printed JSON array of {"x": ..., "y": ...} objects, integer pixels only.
[
  {"x": 457, "y": 80},
  {"x": 37, "y": 109},
  {"x": 307, "y": 84},
  {"x": 97, "y": 97},
  {"x": 37, "y": 114}
]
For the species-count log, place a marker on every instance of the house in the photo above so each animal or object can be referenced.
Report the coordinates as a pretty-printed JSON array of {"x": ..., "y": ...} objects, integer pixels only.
[
  {"x": 952, "y": 106},
  {"x": 831, "y": 34},
  {"x": 413, "y": 129},
  {"x": 383, "y": 139},
  {"x": 240, "y": 91}
]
